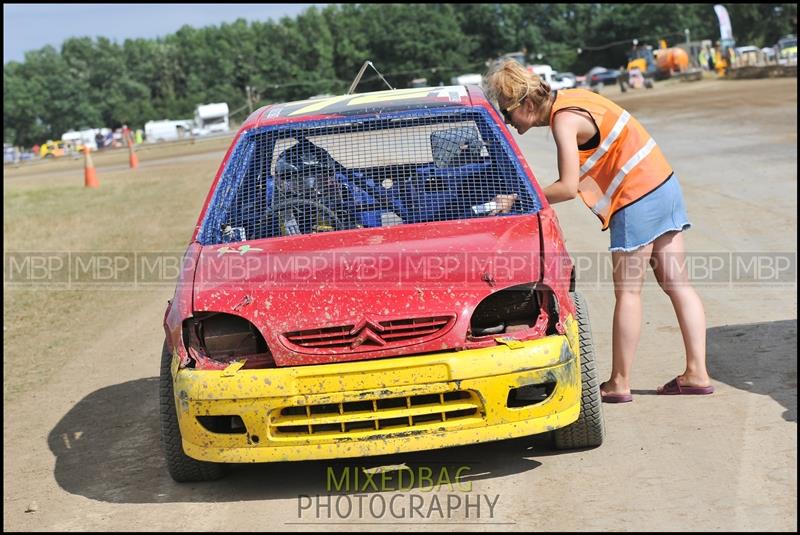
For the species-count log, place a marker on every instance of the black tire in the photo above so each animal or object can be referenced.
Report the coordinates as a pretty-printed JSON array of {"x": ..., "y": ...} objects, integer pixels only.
[
  {"x": 182, "y": 468},
  {"x": 589, "y": 429}
]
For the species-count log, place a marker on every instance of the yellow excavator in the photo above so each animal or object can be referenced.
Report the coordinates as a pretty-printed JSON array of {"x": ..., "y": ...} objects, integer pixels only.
[
  {"x": 646, "y": 65},
  {"x": 641, "y": 68}
]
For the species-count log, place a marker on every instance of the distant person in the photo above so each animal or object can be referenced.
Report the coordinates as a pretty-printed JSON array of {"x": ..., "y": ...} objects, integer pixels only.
[
  {"x": 719, "y": 60},
  {"x": 702, "y": 59},
  {"x": 99, "y": 140},
  {"x": 139, "y": 136},
  {"x": 712, "y": 66},
  {"x": 607, "y": 157},
  {"x": 730, "y": 56},
  {"x": 125, "y": 135}
]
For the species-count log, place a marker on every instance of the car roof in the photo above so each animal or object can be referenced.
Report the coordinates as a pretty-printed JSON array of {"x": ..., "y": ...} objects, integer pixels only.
[{"x": 366, "y": 103}]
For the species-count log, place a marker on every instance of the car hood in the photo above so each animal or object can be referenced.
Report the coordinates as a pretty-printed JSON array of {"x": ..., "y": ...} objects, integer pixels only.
[{"x": 367, "y": 293}]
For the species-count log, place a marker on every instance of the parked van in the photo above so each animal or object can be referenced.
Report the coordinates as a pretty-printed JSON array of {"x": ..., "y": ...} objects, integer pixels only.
[
  {"x": 76, "y": 140},
  {"x": 167, "y": 130}
]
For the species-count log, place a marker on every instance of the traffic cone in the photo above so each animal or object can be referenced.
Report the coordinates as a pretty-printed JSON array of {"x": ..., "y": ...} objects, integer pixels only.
[
  {"x": 89, "y": 175},
  {"x": 133, "y": 160}
]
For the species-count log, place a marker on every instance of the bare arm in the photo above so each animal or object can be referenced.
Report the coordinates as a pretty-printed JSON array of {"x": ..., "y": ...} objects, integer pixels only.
[{"x": 565, "y": 132}]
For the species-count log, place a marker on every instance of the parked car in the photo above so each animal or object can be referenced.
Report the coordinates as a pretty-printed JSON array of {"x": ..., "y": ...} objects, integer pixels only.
[
  {"x": 748, "y": 55},
  {"x": 786, "y": 49},
  {"x": 9, "y": 153},
  {"x": 600, "y": 76},
  {"x": 373, "y": 273},
  {"x": 564, "y": 80},
  {"x": 52, "y": 149},
  {"x": 467, "y": 79}
]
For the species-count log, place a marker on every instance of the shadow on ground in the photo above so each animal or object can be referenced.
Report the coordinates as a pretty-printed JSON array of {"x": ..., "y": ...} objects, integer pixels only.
[
  {"x": 769, "y": 368},
  {"x": 107, "y": 448},
  {"x": 755, "y": 357}
]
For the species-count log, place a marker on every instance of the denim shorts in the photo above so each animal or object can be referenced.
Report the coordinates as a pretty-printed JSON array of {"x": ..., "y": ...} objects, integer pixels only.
[{"x": 660, "y": 211}]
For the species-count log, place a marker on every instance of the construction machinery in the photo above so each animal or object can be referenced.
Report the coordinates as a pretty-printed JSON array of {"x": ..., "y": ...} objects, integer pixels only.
[
  {"x": 641, "y": 68},
  {"x": 646, "y": 65},
  {"x": 670, "y": 61},
  {"x": 674, "y": 62}
]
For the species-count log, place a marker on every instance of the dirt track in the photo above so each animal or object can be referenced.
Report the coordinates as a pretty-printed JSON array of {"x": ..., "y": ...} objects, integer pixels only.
[{"x": 81, "y": 437}]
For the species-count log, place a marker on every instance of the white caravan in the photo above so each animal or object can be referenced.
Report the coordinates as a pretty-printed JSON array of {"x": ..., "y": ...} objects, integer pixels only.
[{"x": 210, "y": 118}]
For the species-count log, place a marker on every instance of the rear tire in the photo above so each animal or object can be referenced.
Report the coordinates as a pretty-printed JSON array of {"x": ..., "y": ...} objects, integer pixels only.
[
  {"x": 182, "y": 468},
  {"x": 589, "y": 430}
]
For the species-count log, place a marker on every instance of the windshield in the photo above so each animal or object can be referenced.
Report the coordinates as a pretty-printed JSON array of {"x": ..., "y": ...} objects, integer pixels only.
[{"x": 343, "y": 174}]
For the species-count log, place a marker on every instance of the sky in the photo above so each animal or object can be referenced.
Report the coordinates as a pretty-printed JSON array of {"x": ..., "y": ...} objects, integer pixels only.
[{"x": 32, "y": 26}]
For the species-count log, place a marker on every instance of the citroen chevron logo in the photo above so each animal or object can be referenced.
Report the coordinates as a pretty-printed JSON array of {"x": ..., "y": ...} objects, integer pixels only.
[{"x": 367, "y": 330}]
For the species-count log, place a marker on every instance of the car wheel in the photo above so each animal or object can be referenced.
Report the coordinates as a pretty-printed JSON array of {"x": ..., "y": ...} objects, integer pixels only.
[
  {"x": 182, "y": 468},
  {"x": 589, "y": 430}
]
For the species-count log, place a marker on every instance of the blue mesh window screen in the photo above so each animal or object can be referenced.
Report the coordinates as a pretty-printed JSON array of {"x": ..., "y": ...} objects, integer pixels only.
[{"x": 366, "y": 172}]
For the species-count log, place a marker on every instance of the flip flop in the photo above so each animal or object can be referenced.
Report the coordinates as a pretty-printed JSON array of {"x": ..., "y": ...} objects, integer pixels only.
[
  {"x": 672, "y": 388},
  {"x": 610, "y": 397}
]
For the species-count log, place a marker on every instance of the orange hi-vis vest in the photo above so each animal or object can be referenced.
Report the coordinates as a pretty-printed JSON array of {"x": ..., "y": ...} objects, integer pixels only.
[{"x": 625, "y": 166}]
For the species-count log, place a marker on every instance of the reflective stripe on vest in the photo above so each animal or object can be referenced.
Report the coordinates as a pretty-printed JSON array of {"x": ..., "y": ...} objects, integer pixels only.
[
  {"x": 626, "y": 165},
  {"x": 603, "y": 148},
  {"x": 602, "y": 204}
]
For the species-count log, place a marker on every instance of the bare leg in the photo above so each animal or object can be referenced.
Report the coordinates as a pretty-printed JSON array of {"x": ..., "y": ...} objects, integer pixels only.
[
  {"x": 629, "y": 272},
  {"x": 668, "y": 261}
]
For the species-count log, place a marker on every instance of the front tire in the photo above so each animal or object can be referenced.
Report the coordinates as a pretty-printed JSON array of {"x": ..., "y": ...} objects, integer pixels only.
[
  {"x": 182, "y": 468},
  {"x": 589, "y": 430}
]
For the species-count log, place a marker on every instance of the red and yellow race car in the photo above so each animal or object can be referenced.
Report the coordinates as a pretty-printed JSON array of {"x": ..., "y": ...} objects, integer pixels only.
[{"x": 370, "y": 274}]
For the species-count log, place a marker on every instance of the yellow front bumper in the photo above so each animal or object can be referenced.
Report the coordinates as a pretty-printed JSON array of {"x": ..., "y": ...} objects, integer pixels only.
[{"x": 378, "y": 407}]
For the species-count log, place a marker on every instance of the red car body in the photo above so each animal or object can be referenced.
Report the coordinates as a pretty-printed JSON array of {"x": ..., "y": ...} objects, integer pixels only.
[
  {"x": 302, "y": 298},
  {"x": 408, "y": 304}
]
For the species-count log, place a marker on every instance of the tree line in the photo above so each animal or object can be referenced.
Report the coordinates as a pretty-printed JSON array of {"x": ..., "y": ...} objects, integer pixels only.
[{"x": 99, "y": 82}]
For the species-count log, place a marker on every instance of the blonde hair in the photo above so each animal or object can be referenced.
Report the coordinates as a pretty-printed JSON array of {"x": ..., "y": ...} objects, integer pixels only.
[{"x": 509, "y": 82}]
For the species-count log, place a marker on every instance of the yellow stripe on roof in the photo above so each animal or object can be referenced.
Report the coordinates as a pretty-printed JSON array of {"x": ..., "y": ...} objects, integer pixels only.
[
  {"x": 383, "y": 96},
  {"x": 319, "y": 104}
]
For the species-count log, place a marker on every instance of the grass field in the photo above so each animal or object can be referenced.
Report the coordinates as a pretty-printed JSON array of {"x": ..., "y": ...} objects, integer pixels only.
[{"x": 47, "y": 209}]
